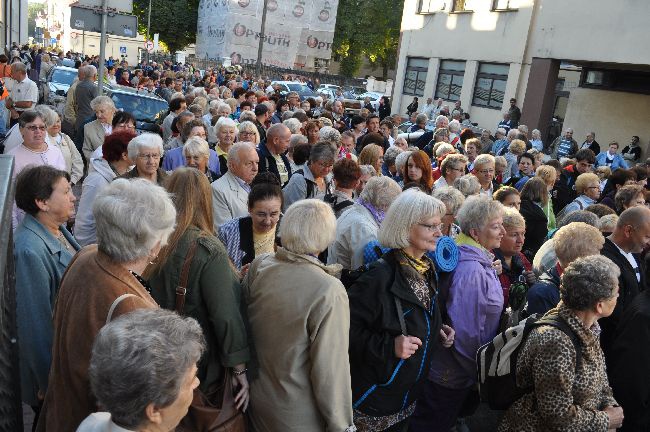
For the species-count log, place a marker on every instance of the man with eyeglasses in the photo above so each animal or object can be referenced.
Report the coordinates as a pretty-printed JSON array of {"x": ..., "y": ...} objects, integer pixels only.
[
  {"x": 565, "y": 188},
  {"x": 624, "y": 246}
]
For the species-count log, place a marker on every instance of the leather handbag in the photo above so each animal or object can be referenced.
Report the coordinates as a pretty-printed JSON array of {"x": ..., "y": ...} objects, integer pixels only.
[{"x": 216, "y": 411}]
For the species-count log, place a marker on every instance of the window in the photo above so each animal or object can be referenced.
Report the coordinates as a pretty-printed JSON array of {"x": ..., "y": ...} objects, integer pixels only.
[
  {"x": 460, "y": 6},
  {"x": 416, "y": 76},
  {"x": 450, "y": 80},
  {"x": 490, "y": 85},
  {"x": 503, "y": 5},
  {"x": 426, "y": 7},
  {"x": 616, "y": 80}
]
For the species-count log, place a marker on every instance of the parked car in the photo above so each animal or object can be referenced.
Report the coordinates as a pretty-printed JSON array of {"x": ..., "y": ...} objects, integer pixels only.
[
  {"x": 58, "y": 81},
  {"x": 288, "y": 86},
  {"x": 352, "y": 92},
  {"x": 328, "y": 86},
  {"x": 350, "y": 106},
  {"x": 374, "y": 98},
  {"x": 147, "y": 108}
]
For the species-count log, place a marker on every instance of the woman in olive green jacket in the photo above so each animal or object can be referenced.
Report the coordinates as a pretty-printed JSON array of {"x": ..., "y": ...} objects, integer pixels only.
[{"x": 213, "y": 289}]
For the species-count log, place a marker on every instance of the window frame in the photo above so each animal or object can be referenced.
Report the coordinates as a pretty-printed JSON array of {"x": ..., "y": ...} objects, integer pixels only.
[
  {"x": 460, "y": 10},
  {"x": 496, "y": 8},
  {"x": 418, "y": 70},
  {"x": 492, "y": 78},
  {"x": 429, "y": 11},
  {"x": 452, "y": 73}
]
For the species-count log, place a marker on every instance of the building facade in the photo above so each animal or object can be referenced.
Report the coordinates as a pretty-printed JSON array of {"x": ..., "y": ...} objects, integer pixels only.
[
  {"x": 13, "y": 22},
  {"x": 584, "y": 62}
]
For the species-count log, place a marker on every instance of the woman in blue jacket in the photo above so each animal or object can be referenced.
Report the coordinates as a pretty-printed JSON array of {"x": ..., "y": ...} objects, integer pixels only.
[{"x": 611, "y": 158}]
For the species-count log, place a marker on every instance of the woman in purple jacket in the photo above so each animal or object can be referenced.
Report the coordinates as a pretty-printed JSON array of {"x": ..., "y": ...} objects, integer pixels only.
[{"x": 473, "y": 298}]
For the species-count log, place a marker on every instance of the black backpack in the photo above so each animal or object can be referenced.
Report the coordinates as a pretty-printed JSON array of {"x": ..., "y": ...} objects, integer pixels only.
[{"x": 332, "y": 200}]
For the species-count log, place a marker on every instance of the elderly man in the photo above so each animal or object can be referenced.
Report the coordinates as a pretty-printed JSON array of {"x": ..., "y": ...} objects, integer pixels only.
[
  {"x": 230, "y": 192},
  {"x": 23, "y": 94},
  {"x": 70, "y": 111},
  {"x": 420, "y": 123},
  {"x": 564, "y": 146},
  {"x": 428, "y": 109},
  {"x": 623, "y": 247},
  {"x": 591, "y": 143},
  {"x": 506, "y": 123},
  {"x": 294, "y": 101},
  {"x": 442, "y": 122},
  {"x": 86, "y": 91},
  {"x": 501, "y": 142},
  {"x": 271, "y": 153}
]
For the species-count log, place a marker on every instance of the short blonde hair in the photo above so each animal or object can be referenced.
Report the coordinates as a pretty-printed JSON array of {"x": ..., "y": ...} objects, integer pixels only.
[
  {"x": 102, "y": 101},
  {"x": 451, "y": 197},
  {"x": 247, "y": 126},
  {"x": 411, "y": 207},
  {"x": 583, "y": 180},
  {"x": 477, "y": 211},
  {"x": 499, "y": 161},
  {"x": 576, "y": 240},
  {"x": 467, "y": 184},
  {"x": 517, "y": 147},
  {"x": 483, "y": 159},
  {"x": 513, "y": 219},
  {"x": 453, "y": 161},
  {"x": 196, "y": 146},
  {"x": 546, "y": 173},
  {"x": 308, "y": 227}
]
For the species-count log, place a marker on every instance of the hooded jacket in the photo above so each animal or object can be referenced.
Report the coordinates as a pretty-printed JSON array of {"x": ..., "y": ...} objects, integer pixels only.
[{"x": 84, "y": 226}]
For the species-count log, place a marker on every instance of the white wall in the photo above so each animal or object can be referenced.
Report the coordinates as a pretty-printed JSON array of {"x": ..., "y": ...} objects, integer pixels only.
[{"x": 91, "y": 45}]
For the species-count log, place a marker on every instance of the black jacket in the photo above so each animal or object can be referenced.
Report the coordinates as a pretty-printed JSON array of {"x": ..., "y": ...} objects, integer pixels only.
[
  {"x": 536, "y": 228},
  {"x": 544, "y": 295},
  {"x": 628, "y": 287},
  {"x": 594, "y": 146},
  {"x": 565, "y": 189},
  {"x": 267, "y": 161},
  {"x": 384, "y": 111},
  {"x": 382, "y": 384},
  {"x": 629, "y": 374}
]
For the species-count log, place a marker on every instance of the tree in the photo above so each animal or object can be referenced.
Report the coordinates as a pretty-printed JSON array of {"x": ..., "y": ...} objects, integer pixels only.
[
  {"x": 32, "y": 11},
  {"x": 174, "y": 20},
  {"x": 367, "y": 29}
]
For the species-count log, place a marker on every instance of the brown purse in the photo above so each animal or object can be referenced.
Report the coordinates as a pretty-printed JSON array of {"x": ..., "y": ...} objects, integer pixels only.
[{"x": 204, "y": 415}]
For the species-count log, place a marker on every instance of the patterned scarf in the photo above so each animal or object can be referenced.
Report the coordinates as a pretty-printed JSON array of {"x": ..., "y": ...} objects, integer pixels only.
[
  {"x": 420, "y": 265},
  {"x": 379, "y": 215}
]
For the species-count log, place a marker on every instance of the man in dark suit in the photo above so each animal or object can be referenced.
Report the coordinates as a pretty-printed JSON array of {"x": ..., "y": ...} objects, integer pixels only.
[
  {"x": 623, "y": 246},
  {"x": 591, "y": 143}
]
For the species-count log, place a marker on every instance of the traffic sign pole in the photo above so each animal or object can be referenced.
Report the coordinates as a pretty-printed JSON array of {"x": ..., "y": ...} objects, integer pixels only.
[{"x": 102, "y": 50}]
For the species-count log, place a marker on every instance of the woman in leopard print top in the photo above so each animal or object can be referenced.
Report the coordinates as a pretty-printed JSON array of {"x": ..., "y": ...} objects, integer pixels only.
[{"x": 566, "y": 398}]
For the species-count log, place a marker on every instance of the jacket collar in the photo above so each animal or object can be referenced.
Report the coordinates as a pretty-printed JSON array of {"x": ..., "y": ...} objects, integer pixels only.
[
  {"x": 53, "y": 245},
  {"x": 285, "y": 255},
  {"x": 116, "y": 270},
  {"x": 263, "y": 149},
  {"x": 464, "y": 239}
]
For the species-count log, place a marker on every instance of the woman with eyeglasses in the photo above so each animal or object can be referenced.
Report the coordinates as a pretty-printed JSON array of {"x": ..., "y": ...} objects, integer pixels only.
[
  {"x": 146, "y": 150},
  {"x": 484, "y": 170},
  {"x": 452, "y": 167},
  {"x": 256, "y": 234},
  {"x": 395, "y": 321},
  {"x": 310, "y": 180},
  {"x": 588, "y": 190},
  {"x": 248, "y": 133},
  {"x": 473, "y": 300}
]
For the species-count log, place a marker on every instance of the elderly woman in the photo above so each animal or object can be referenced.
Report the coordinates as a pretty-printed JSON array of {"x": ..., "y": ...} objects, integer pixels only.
[
  {"x": 212, "y": 295},
  {"x": 418, "y": 170},
  {"x": 253, "y": 235},
  {"x": 197, "y": 155},
  {"x": 508, "y": 196},
  {"x": 588, "y": 189},
  {"x": 248, "y": 132},
  {"x": 453, "y": 199},
  {"x": 145, "y": 151},
  {"x": 346, "y": 174},
  {"x": 452, "y": 167},
  {"x": 74, "y": 164},
  {"x": 310, "y": 180},
  {"x": 115, "y": 162},
  {"x": 226, "y": 132},
  {"x": 516, "y": 148},
  {"x": 360, "y": 223},
  {"x": 536, "y": 140},
  {"x": 389, "y": 167},
  {"x": 382, "y": 342},
  {"x": 134, "y": 219},
  {"x": 473, "y": 299},
  {"x": 43, "y": 248},
  {"x": 128, "y": 352},
  {"x": 372, "y": 154},
  {"x": 572, "y": 241},
  {"x": 484, "y": 170},
  {"x": 330, "y": 135},
  {"x": 514, "y": 265},
  {"x": 97, "y": 130},
  {"x": 629, "y": 196},
  {"x": 311, "y": 131},
  {"x": 300, "y": 328},
  {"x": 534, "y": 197},
  {"x": 567, "y": 396},
  {"x": 367, "y": 172},
  {"x": 468, "y": 185}
]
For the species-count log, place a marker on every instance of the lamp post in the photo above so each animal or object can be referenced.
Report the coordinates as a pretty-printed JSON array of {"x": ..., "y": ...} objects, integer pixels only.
[
  {"x": 260, "y": 46},
  {"x": 148, "y": 30}
]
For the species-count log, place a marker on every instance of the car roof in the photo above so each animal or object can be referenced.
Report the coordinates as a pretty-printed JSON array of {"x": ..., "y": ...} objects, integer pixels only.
[
  {"x": 131, "y": 90},
  {"x": 67, "y": 68}
]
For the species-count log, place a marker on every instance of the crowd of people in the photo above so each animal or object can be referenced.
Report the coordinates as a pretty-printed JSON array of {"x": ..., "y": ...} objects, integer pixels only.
[{"x": 284, "y": 250}]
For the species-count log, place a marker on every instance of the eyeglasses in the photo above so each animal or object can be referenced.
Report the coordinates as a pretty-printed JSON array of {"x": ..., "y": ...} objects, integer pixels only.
[
  {"x": 432, "y": 228},
  {"x": 33, "y": 128},
  {"x": 149, "y": 156},
  {"x": 486, "y": 171},
  {"x": 242, "y": 133}
]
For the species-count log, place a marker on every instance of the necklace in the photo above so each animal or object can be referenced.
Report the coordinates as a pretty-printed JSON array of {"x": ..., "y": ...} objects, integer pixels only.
[
  {"x": 143, "y": 282},
  {"x": 64, "y": 241}
]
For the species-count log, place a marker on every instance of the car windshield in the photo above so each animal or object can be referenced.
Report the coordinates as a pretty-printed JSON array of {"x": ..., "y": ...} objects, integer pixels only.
[
  {"x": 299, "y": 88},
  {"x": 62, "y": 76},
  {"x": 142, "y": 108}
]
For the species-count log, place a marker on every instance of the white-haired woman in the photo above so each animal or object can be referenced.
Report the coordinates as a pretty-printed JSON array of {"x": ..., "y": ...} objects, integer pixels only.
[
  {"x": 154, "y": 352},
  {"x": 484, "y": 170},
  {"x": 451, "y": 168},
  {"x": 146, "y": 150},
  {"x": 359, "y": 225},
  {"x": 226, "y": 132},
  {"x": 536, "y": 140},
  {"x": 248, "y": 132},
  {"x": 474, "y": 301},
  {"x": 134, "y": 220},
  {"x": 453, "y": 199},
  {"x": 468, "y": 185},
  {"x": 570, "y": 386},
  {"x": 197, "y": 155},
  {"x": 310, "y": 180},
  {"x": 97, "y": 130},
  {"x": 330, "y": 135},
  {"x": 299, "y": 320},
  {"x": 395, "y": 322},
  {"x": 74, "y": 164}
]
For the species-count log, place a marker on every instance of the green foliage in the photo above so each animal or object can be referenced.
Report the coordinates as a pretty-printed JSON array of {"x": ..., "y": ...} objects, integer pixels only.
[
  {"x": 370, "y": 29},
  {"x": 32, "y": 11},
  {"x": 174, "y": 20}
]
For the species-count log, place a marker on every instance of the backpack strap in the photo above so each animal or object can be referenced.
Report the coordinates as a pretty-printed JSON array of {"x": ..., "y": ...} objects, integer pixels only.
[
  {"x": 400, "y": 315},
  {"x": 115, "y": 304},
  {"x": 181, "y": 288}
]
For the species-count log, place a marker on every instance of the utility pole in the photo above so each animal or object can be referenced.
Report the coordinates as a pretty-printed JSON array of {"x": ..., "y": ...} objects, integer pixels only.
[
  {"x": 260, "y": 46},
  {"x": 148, "y": 30},
  {"x": 102, "y": 49}
]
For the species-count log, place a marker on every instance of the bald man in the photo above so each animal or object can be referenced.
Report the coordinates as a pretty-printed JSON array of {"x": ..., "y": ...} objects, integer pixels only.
[
  {"x": 272, "y": 152},
  {"x": 623, "y": 247}
]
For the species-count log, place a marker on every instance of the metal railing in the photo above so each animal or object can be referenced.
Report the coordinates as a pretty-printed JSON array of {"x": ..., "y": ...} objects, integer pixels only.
[{"x": 11, "y": 419}]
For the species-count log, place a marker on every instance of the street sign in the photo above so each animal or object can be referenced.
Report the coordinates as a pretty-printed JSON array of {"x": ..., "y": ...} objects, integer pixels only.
[
  {"x": 122, "y": 50},
  {"x": 149, "y": 46},
  {"x": 156, "y": 37},
  {"x": 52, "y": 41},
  {"x": 124, "y": 6},
  {"x": 91, "y": 20}
]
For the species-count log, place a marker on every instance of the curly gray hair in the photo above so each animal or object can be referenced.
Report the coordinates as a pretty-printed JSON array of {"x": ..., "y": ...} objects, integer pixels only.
[
  {"x": 380, "y": 192},
  {"x": 587, "y": 281}
]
